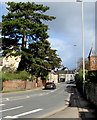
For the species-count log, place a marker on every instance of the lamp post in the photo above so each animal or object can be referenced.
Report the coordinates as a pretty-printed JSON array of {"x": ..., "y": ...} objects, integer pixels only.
[
  {"x": 82, "y": 15},
  {"x": 75, "y": 60}
]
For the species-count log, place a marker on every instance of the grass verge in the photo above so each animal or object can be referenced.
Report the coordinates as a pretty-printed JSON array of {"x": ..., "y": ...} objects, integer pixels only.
[{"x": 11, "y": 91}]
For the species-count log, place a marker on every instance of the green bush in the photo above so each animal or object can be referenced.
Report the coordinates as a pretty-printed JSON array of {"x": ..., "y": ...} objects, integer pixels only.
[
  {"x": 22, "y": 75},
  {"x": 79, "y": 80},
  {"x": 92, "y": 76},
  {"x": 79, "y": 77}
]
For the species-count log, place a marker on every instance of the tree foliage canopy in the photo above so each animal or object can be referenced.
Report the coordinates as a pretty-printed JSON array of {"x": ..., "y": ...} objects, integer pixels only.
[
  {"x": 25, "y": 32},
  {"x": 25, "y": 21}
]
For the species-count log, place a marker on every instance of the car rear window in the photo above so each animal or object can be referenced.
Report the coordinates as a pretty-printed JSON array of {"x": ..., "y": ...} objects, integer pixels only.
[{"x": 49, "y": 83}]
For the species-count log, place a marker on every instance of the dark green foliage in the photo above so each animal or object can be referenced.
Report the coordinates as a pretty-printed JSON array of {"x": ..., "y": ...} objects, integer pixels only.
[
  {"x": 79, "y": 81},
  {"x": 40, "y": 58},
  {"x": 79, "y": 76},
  {"x": 92, "y": 76},
  {"x": 24, "y": 20},
  {"x": 23, "y": 75},
  {"x": 25, "y": 32}
]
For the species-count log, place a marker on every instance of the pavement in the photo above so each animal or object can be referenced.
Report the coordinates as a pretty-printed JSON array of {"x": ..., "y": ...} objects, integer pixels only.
[{"x": 76, "y": 107}]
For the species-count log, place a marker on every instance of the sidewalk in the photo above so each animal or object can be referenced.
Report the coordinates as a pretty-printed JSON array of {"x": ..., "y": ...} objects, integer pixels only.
[{"x": 78, "y": 107}]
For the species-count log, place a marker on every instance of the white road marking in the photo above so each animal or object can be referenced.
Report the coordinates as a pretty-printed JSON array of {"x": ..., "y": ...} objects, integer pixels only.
[
  {"x": 18, "y": 98},
  {"x": 41, "y": 94},
  {"x": 27, "y": 96},
  {"x": 11, "y": 109},
  {"x": 7, "y": 98},
  {"x": 22, "y": 114},
  {"x": 2, "y": 104},
  {"x": 52, "y": 91}
]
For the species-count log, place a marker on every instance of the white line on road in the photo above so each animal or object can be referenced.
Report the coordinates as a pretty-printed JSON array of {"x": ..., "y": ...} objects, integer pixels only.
[
  {"x": 41, "y": 94},
  {"x": 52, "y": 91},
  {"x": 11, "y": 109},
  {"x": 27, "y": 96},
  {"x": 22, "y": 114},
  {"x": 7, "y": 99},
  {"x": 2, "y": 104}
]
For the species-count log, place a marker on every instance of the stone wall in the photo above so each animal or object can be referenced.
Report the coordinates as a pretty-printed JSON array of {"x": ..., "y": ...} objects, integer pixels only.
[
  {"x": 91, "y": 93},
  {"x": 21, "y": 85}
]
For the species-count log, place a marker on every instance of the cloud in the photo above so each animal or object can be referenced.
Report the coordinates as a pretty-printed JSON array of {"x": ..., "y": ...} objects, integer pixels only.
[
  {"x": 65, "y": 50},
  {"x": 66, "y": 30}
]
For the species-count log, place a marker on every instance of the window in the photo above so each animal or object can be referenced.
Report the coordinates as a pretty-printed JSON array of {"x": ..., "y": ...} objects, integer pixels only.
[
  {"x": 7, "y": 63},
  {"x": 93, "y": 62},
  {"x": 16, "y": 64}
]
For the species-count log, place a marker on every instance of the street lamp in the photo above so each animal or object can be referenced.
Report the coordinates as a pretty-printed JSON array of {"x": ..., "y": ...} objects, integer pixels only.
[
  {"x": 75, "y": 60},
  {"x": 82, "y": 15}
]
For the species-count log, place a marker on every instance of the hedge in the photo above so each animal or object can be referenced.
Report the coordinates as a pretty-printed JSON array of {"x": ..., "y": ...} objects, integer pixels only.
[{"x": 22, "y": 75}]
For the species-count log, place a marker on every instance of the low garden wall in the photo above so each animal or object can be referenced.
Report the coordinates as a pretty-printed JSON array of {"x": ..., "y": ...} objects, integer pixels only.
[
  {"x": 21, "y": 84},
  {"x": 90, "y": 88},
  {"x": 91, "y": 92}
]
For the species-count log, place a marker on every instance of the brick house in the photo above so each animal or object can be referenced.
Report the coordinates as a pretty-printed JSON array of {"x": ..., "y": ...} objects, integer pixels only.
[{"x": 92, "y": 60}]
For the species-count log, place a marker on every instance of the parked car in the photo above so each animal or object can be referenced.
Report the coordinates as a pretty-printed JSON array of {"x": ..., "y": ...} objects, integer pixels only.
[
  {"x": 70, "y": 81},
  {"x": 50, "y": 85}
]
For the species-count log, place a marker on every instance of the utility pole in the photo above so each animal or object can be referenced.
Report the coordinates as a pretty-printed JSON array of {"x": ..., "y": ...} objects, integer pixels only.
[{"x": 82, "y": 16}]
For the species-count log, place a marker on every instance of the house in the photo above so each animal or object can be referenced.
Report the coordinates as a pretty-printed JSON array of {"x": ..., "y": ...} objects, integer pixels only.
[
  {"x": 70, "y": 76},
  {"x": 92, "y": 60},
  {"x": 61, "y": 75},
  {"x": 52, "y": 77},
  {"x": 9, "y": 63},
  {"x": 65, "y": 75}
]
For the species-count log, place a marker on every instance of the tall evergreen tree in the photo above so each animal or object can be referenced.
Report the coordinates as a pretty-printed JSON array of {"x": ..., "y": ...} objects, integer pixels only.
[
  {"x": 24, "y": 21},
  {"x": 25, "y": 32}
]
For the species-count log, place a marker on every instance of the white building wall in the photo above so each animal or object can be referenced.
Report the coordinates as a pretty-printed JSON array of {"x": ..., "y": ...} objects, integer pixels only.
[
  {"x": 69, "y": 77},
  {"x": 11, "y": 62},
  {"x": 53, "y": 77}
]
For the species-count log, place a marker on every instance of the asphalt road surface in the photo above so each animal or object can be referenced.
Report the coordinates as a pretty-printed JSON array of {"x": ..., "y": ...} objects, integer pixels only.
[{"x": 32, "y": 104}]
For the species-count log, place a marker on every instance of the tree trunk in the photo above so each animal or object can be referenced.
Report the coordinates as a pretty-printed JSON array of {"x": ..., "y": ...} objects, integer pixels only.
[{"x": 24, "y": 41}]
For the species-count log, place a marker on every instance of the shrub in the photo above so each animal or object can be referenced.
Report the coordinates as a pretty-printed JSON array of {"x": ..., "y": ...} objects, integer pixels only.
[
  {"x": 92, "y": 76},
  {"x": 22, "y": 75},
  {"x": 79, "y": 77}
]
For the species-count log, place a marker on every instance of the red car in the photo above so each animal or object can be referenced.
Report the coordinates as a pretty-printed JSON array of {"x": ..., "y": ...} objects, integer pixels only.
[{"x": 50, "y": 85}]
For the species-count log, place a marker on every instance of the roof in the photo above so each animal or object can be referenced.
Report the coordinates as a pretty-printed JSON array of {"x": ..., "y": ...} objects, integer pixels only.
[
  {"x": 61, "y": 72},
  {"x": 92, "y": 53},
  {"x": 64, "y": 72}
]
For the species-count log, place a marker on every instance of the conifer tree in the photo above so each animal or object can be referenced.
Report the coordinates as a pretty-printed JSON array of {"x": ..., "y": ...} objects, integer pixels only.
[
  {"x": 24, "y": 23},
  {"x": 25, "y": 32}
]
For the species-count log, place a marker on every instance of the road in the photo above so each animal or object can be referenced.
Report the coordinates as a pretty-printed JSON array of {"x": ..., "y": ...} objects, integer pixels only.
[{"x": 33, "y": 104}]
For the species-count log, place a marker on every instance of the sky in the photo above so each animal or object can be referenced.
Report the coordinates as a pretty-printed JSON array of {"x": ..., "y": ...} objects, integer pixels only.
[{"x": 65, "y": 32}]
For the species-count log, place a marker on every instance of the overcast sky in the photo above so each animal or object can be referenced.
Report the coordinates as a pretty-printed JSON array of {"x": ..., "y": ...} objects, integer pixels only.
[{"x": 65, "y": 30}]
